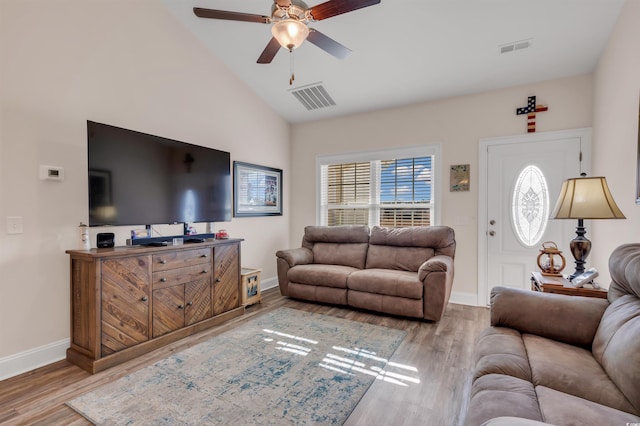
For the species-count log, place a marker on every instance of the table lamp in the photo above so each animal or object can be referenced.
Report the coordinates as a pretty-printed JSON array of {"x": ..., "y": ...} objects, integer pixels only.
[{"x": 584, "y": 198}]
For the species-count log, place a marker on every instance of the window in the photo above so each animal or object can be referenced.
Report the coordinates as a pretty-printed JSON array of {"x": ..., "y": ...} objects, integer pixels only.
[
  {"x": 530, "y": 206},
  {"x": 389, "y": 188}
]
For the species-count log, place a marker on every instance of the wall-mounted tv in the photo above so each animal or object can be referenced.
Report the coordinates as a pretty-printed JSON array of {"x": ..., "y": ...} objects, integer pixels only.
[{"x": 140, "y": 179}]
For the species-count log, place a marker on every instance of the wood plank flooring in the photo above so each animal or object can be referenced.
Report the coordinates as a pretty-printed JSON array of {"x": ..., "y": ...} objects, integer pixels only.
[{"x": 436, "y": 358}]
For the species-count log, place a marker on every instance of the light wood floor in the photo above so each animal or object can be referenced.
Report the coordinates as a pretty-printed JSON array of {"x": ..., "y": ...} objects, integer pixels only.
[{"x": 440, "y": 353}]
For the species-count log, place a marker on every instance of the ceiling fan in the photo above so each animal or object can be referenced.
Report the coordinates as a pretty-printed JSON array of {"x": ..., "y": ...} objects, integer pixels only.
[{"x": 290, "y": 19}]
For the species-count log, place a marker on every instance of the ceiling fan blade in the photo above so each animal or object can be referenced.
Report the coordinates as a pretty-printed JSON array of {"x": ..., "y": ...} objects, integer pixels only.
[
  {"x": 337, "y": 7},
  {"x": 269, "y": 52},
  {"x": 328, "y": 44},
  {"x": 230, "y": 16}
]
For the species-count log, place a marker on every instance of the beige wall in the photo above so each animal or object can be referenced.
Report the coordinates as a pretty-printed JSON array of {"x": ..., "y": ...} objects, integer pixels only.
[
  {"x": 458, "y": 123},
  {"x": 615, "y": 134},
  {"x": 126, "y": 63}
]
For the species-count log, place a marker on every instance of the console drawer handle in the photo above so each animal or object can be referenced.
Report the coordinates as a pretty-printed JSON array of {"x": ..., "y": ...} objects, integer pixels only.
[
  {"x": 190, "y": 304},
  {"x": 144, "y": 298},
  {"x": 180, "y": 306},
  {"x": 218, "y": 280},
  {"x": 163, "y": 280},
  {"x": 163, "y": 261},
  {"x": 205, "y": 255},
  {"x": 204, "y": 271}
]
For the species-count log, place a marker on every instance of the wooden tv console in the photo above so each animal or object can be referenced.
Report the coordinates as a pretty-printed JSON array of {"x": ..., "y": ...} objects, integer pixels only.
[{"x": 126, "y": 301}]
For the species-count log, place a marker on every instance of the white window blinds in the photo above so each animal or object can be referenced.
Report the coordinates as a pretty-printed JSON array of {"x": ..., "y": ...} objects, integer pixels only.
[{"x": 394, "y": 192}]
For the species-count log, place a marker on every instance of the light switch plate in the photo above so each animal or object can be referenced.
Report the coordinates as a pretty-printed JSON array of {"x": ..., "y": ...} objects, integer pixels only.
[{"x": 14, "y": 225}]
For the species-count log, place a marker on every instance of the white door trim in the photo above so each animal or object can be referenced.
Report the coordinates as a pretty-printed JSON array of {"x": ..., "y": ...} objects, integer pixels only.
[{"x": 585, "y": 145}]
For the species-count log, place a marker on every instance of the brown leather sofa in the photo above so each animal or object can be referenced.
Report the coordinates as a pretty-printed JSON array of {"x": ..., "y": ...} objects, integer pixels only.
[
  {"x": 399, "y": 271},
  {"x": 562, "y": 360}
]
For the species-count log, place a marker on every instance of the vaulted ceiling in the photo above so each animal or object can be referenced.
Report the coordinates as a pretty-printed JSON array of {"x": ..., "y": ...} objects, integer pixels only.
[{"x": 409, "y": 51}]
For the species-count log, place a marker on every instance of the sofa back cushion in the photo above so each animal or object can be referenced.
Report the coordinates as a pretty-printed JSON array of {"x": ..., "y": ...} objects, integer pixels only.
[
  {"x": 338, "y": 245},
  {"x": 616, "y": 344},
  {"x": 406, "y": 249}
]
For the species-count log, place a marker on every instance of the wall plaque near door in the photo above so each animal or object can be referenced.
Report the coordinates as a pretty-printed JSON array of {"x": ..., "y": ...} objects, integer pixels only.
[{"x": 459, "y": 178}]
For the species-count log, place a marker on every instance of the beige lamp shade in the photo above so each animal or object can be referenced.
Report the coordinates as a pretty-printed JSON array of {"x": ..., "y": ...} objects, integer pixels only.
[
  {"x": 290, "y": 33},
  {"x": 586, "y": 198}
]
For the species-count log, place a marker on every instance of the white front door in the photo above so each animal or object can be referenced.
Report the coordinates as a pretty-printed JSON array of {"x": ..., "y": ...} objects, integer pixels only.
[{"x": 524, "y": 175}]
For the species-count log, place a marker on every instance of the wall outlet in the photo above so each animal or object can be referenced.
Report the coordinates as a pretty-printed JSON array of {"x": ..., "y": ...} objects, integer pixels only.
[{"x": 14, "y": 225}]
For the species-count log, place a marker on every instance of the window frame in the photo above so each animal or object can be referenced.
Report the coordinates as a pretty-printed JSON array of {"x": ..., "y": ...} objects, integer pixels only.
[{"x": 433, "y": 149}]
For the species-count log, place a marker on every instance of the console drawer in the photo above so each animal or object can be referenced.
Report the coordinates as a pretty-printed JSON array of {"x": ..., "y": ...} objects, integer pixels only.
[
  {"x": 171, "y": 277},
  {"x": 180, "y": 258}
]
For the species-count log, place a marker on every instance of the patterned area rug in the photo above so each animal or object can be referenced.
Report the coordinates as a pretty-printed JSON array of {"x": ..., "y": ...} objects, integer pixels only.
[{"x": 284, "y": 367}]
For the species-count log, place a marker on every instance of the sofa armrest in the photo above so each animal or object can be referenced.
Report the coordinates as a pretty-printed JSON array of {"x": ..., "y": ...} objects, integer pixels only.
[
  {"x": 296, "y": 256},
  {"x": 436, "y": 275},
  {"x": 569, "y": 319},
  {"x": 287, "y": 259}
]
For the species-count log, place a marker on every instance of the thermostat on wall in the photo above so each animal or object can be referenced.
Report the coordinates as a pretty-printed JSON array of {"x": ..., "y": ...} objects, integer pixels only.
[{"x": 51, "y": 173}]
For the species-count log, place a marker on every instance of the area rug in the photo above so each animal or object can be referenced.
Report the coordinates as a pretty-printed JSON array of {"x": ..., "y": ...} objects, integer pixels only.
[{"x": 285, "y": 367}]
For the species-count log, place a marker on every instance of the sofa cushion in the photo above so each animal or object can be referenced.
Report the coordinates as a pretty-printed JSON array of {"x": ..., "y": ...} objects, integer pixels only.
[
  {"x": 388, "y": 304},
  {"x": 316, "y": 293},
  {"x": 617, "y": 347},
  {"x": 559, "y": 408},
  {"x": 346, "y": 254},
  {"x": 405, "y": 249},
  {"x": 384, "y": 281},
  {"x": 440, "y": 238},
  {"x": 321, "y": 275},
  {"x": 335, "y": 234},
  {"x": 397, "y": 258},
  {"x": 497, "y": 395},
  {"x": 572, "y": 370},
  {"x": 500, "y": 350}
]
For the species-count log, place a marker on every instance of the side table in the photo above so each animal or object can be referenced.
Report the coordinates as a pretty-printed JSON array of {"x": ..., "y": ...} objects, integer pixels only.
[{"x": 560, "y": 285}]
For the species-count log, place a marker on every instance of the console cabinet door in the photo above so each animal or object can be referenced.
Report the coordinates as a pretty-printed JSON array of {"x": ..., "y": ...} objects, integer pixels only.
[
  {"x": 125, "y": 302},
  {"x": 226, "y": 271},
  {"x": 198, "y": 306},
  {"x": 168, "y": 309}
]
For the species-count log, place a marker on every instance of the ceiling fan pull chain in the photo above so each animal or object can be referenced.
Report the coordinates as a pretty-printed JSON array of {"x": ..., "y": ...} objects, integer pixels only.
[{"x": 293, "y": 77}]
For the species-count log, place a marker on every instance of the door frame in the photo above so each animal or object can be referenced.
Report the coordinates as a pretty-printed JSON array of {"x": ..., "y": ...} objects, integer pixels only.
[{"x": 584, "y": 134}]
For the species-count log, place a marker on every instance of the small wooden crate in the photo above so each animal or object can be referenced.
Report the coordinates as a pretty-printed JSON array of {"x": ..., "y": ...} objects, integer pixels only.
[{"x": 251, "y": 286}]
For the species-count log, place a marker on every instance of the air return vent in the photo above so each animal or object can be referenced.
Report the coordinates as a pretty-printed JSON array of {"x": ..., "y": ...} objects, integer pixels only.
[
  {"x": 313, "y": 96},
  {"x": 516, "y": 45}
]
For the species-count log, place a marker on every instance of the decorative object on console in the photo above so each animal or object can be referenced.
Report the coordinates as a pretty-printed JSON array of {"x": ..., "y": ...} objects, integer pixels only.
[
  {"x": 548, "y": 258},
  {"x": 531, "y": 109},
  {"x": 257, "y": 190},
  {"x": 584, "y": 198},
  {"x": 105, "y": 240}
]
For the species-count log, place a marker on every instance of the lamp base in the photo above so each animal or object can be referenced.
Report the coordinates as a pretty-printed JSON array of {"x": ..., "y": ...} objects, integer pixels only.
[{"x": 580, "y": 248}]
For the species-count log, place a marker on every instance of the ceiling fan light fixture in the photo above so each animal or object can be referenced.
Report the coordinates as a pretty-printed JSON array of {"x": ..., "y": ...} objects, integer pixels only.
[{"x": 290, "y": 33}]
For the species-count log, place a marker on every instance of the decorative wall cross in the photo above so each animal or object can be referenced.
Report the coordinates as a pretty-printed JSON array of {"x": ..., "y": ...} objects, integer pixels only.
[{"x": 531, "y": 109}]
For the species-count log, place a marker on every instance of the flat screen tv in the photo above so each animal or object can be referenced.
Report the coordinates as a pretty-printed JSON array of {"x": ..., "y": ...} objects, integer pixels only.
[{"x": 140, "y": 179}]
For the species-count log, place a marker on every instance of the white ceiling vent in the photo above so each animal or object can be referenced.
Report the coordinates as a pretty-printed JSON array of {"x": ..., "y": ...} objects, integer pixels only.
[
  {"x": 516, "y": 45},
  {"x": 313, "y": 96}
]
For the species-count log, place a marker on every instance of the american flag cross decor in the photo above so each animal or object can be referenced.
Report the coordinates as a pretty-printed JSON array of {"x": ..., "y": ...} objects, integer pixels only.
[{"x": 531, "y": 109}]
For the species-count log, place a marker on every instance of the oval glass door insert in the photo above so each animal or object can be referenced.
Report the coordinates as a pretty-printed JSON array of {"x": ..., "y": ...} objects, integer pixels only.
[{"x": 530, "y": 206}]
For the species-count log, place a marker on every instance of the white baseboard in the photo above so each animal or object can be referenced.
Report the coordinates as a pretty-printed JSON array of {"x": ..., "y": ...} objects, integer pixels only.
[
  {"x": 464, "y": 298},
  {"x": 28, "y": 360},
  {"x": 268, "y": 283}
]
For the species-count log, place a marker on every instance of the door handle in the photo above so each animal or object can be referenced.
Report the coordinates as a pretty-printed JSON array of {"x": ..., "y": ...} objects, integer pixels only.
[
  {"x": 492, "y": 222},
  {"x": 492, "y": 233}
]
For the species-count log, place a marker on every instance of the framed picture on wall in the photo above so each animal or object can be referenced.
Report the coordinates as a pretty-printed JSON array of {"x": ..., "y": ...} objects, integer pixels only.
[{"x": 257, "y": 190}]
